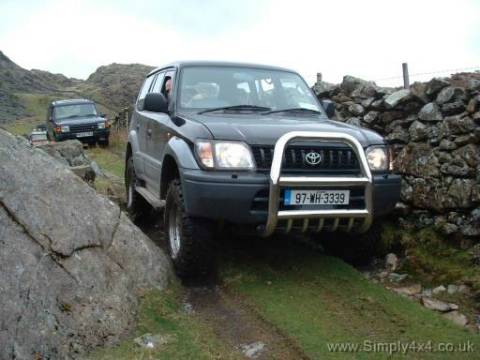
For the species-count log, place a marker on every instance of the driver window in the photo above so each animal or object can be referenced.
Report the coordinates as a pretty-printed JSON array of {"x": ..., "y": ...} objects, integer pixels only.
[{"x": 157, "y": 86}]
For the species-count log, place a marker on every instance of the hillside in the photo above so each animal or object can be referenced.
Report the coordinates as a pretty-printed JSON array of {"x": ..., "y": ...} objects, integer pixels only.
[
  {"x": 25, "y": 93},
  {"x": 116, "y": 84}
]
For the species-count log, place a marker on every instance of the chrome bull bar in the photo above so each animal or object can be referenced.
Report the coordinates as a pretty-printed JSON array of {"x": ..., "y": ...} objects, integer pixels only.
[{"x": 277, "y": 182}]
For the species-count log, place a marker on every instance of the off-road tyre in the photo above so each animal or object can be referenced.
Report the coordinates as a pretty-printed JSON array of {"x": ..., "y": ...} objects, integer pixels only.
[
  {"x": 193, "y": 256},
  {"x": 137, "y": 207}
]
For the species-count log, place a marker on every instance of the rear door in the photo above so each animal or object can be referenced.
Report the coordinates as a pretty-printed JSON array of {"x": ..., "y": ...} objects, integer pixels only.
[{"x": 139, "y": 124}]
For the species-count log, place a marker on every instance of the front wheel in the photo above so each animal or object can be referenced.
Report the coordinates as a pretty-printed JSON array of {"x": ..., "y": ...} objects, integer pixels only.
[{"x": 189, "y": 239}]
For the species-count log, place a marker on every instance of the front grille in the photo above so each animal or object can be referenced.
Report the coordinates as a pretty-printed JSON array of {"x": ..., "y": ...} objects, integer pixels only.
[
  {"x": 333, "y": 159},
  {"x": 82, "y": 128}
]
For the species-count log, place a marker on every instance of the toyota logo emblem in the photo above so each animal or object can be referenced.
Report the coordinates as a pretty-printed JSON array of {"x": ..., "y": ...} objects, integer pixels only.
[{"x": 313, "y": 158}]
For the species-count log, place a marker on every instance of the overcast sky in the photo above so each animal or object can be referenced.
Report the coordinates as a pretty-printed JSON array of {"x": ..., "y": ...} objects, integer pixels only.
[{"x": 367, "y": 38}]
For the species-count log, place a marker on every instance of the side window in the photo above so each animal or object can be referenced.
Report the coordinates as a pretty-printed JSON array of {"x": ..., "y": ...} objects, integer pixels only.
[
  {"x": 157, "y": 86},
  {"x": 167, "y": 92},
  {"x": 144, "y": 91}
]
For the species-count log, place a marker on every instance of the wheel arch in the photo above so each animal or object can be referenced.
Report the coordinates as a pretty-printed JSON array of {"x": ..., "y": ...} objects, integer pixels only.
[{"x": 170, "y": 171}]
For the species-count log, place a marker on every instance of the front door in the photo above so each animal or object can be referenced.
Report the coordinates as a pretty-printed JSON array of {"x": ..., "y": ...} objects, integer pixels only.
[{"x": 157, "y": 135}]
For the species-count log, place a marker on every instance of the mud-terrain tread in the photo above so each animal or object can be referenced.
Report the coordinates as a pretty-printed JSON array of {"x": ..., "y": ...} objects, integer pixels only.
[{"x": 195, "y": 257}]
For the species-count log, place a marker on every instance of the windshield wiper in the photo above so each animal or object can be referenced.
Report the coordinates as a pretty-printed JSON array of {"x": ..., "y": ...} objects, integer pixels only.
[
  {"x": 77, "y": 116},
  {"x": 291, "y": 109},
  {"x": 237, "y": 107}
]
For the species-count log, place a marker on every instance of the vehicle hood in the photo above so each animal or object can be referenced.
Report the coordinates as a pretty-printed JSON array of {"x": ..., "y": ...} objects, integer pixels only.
[
  {"x": 266, "y": 129},
  {"x": 78, "y": 121}
]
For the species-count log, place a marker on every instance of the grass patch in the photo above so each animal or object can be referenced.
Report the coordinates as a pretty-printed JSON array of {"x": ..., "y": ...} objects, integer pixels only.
[
  {"x": 37, "y": 104},
  {"x": 108, "y": 160},
  {"x": 118, "y": 141},
  {"x": 432, "y": 258},
  {"x": 162, "y": 313},
  {"x": 317, "y": 299}
]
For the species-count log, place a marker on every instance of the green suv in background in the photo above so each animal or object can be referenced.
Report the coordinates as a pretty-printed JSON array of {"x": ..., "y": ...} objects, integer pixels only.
[{"x": 77, "y": 119}]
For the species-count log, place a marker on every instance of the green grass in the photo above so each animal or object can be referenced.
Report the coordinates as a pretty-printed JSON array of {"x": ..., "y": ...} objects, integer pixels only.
[
  {"x": 433, "y": 259},
  {"x": 36, "y": 104},
  {"x": 162, "y": 313},
  {"x": 317, "y": 299},
  {"x": 110, "y": 161},
  {"x": 107, "y": 160}
]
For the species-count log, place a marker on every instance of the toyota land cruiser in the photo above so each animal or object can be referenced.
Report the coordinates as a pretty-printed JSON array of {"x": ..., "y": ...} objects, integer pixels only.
[{"x": 249, "y": 145}]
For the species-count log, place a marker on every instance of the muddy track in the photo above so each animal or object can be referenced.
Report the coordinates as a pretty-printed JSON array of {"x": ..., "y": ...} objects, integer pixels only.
[
  {"x": 235, "y": 322},
  {"x": 239, "y": 325}
]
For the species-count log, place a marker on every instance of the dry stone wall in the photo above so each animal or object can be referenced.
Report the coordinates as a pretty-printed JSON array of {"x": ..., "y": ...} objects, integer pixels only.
[{"x": 434, "y": 131}]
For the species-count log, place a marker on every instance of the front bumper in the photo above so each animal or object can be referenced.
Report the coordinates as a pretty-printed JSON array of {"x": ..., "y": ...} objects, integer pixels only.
[
  {"x": 98, "y": 135},
  {"x": 238, "y": 197},
  {"x": 241, "y": 197}
]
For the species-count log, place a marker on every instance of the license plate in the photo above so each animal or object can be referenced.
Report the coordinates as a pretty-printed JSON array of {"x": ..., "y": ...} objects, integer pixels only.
[
  {"x": 317, "y": 197},
  {"x": 85, "y": 134}
]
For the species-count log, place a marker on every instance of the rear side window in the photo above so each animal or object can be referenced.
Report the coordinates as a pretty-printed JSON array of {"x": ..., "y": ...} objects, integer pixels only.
[{"x": 144, "y": 91}]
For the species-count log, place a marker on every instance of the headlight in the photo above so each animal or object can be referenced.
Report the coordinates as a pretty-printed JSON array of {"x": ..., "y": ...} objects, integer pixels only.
[
  {"x": 101, "y": 125},
  {"x": 65, "y": 128},
  {"x": 377, "y": 158},
  {"x": 224, "y": 154}
]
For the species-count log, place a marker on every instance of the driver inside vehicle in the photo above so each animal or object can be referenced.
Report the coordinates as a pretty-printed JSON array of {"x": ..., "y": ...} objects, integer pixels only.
[{"x": 168, "y": 88}]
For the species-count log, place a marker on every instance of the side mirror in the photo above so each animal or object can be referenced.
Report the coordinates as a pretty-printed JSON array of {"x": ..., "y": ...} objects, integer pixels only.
[
  {"x": 329, "y": 107},
  {"x": 103, "y": 115},
  {"x": 155, "y": 102}
]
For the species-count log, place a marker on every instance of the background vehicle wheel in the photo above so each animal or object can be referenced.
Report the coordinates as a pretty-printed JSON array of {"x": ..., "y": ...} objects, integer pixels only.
[
  {"x": 137, "y": 206},
  {"x": 189, "y": 239}
]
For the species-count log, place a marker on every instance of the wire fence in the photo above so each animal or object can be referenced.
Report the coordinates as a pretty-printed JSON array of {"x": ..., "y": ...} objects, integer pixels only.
[{"x": 423, "y": 76}]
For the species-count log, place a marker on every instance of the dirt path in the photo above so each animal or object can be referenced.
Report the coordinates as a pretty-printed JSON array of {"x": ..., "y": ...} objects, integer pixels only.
[
  {"x": 233, "y": 321},
  {"x": 239, "y": 326}
]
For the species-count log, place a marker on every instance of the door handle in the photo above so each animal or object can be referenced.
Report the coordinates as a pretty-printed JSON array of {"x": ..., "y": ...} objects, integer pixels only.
[{"x": 149, "y": 132}]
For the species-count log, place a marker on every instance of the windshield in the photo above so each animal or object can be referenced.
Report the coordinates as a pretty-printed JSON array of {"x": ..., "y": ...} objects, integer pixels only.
[
  {"x": 208, "y": 87},
  {"x": 74, "y": 111}
]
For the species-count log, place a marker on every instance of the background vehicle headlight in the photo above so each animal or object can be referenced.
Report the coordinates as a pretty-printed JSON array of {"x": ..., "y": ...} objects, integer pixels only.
[
  {"x": 101, "y": 125},
  {"x": 377, "y": 158},
  {"x": 65, "y": 128},
  {"x": 224, "y": 154}
]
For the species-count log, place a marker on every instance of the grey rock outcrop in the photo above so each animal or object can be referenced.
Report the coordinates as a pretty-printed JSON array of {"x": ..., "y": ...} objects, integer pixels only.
[
  {"x": 70, "y": 153},
  {"x": 72, "y": 265}
]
